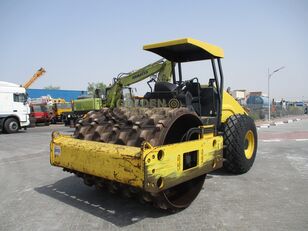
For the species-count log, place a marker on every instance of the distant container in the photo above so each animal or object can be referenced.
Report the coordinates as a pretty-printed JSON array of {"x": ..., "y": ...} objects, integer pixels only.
[
  {"x": 257, "y": 101},
  {"x": 68, "y": 95},
  {"x": 299, "y": 104}
]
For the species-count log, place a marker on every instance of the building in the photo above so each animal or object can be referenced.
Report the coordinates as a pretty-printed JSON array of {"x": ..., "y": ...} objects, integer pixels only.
[
  {"x": 239, "y": 94},
  {"x": 68, "y": 95}
]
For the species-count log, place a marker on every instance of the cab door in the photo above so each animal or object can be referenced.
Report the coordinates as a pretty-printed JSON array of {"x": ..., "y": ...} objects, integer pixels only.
[{"x": 20, "y": 106}]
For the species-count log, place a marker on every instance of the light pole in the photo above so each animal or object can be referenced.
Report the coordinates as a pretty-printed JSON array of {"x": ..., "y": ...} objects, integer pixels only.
[{"x": 269, "y": 75}]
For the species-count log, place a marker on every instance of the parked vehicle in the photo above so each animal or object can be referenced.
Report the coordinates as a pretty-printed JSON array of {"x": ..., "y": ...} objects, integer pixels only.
[
  {"x": 299, "y": 104},
  {"x": 257, "y": 101},
  {"x": 60, "y": 110},
  {"x": 14, "y": 110},
  {"x": 161, "y": 155},
  {"x": 40, "y": 113},
  {"x": 79, "y": 108}
]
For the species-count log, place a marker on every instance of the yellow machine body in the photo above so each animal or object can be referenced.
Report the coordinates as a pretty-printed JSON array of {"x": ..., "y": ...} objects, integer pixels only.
[
  {"x": 152, "y": 168},
  {"x": 230, "y": 107},
  {"x": 63, "y": 107},
  {"x": 185, "y": 50}
]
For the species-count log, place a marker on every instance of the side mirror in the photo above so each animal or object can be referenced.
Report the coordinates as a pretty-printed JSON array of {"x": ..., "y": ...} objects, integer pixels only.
[{"x": 26, "y": 97}]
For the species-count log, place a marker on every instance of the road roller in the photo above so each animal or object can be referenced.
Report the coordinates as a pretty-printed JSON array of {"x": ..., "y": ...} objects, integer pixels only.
[{"x": 160, "y": 150}]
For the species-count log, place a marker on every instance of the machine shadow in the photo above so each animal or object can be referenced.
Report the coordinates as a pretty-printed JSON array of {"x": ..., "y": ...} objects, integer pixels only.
[
  {"x": 220, "y": 172},
  {"x": 112, "y": 208}
]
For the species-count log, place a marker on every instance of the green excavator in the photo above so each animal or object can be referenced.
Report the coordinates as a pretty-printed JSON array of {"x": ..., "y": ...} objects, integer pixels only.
[{"x": 159, "y": 71}]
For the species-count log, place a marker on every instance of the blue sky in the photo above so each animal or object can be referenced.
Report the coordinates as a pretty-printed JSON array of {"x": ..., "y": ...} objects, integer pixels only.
[{"x": 88, "y": 41}]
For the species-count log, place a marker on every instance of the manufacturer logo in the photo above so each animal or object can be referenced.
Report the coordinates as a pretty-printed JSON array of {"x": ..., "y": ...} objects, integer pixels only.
[
  {"x": 57, "y": 150},
  {"x": 174, "y": 103}
]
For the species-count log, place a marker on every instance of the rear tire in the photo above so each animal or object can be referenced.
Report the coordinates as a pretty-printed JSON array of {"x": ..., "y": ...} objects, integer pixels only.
[
  {"x": 240, "y": 140},
  {"x": 11, "y": 125}
]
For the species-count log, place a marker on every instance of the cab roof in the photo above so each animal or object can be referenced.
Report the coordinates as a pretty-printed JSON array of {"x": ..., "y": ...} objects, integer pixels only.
[{"x": 185, "y": 50}]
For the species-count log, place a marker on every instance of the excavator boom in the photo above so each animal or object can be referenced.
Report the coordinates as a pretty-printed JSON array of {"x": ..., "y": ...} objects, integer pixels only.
[{"x": 162, "y": 68}]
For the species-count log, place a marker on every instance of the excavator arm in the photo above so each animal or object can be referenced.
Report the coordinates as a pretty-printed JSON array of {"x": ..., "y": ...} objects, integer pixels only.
[{"x": 162, "y": 68}]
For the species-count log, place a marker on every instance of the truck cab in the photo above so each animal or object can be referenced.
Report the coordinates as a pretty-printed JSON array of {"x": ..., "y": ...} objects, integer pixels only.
[
  {"x": 14, "y": 109},
  {"x": 40, "y": 113},
  {"x": 60, "y": 111}
]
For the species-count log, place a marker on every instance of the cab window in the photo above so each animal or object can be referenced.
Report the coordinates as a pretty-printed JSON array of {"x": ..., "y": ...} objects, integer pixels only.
[
  {"x": 37, "y": 108},
  {"x": 20, "y": 97},
  {"x": 63, "y": 106}
]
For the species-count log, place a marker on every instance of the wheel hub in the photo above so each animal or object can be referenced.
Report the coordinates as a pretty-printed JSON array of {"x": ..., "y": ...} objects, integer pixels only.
[
  {"x": 13, "y": 126},
  {"x": 249, "y": 144}
]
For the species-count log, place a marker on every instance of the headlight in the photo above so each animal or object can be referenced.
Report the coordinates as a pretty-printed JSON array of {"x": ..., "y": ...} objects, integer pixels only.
[{"x": 68, "y": 116}]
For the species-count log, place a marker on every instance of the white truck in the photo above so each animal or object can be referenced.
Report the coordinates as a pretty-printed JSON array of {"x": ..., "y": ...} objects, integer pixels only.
[{"x": 14, "y": 108}]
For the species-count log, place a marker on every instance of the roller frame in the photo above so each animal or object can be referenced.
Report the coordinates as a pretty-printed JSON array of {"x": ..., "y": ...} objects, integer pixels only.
[{"x": 138, "y": 167}]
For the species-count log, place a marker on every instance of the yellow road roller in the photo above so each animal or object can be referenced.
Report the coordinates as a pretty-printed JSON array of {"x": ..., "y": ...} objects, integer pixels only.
[{"x": 160, "y": 152}]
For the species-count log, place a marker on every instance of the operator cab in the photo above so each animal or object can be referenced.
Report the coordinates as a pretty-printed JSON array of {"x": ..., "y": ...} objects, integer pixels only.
[{"x": 205, "y": 100}]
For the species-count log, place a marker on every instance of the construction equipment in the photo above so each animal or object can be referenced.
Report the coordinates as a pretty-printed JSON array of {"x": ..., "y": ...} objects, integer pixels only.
[
  {"x": 80, "y": 107},
  {"x": 161, "y": 155},
  {"x": 36, "y": 75},
  {"x": 60, "y": 109},
  {"x": 159, "y": 71}
]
